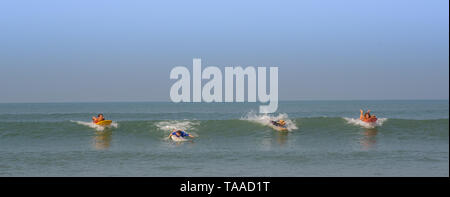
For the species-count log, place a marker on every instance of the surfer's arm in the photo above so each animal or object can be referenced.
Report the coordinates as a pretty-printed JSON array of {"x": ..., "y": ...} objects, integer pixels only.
[
  {"x": 191, "y": 136},
  {"x": 361, "y": 117}
]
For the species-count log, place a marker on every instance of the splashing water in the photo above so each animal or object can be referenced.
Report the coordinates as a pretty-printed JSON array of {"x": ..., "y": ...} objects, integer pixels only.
[
  {"x": 369, "y": 125},
  {"x": 174, "y": 124},
  {"x": 265, "y": 119},
  {"x": 95, "y": 126}
]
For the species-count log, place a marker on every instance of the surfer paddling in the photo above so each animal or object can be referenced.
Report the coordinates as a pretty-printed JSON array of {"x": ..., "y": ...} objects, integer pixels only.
[{"x": 180, "y": 133}]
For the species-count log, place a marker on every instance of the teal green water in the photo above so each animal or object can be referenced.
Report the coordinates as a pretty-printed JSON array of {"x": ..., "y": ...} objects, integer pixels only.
[{"x": 325, "y": 139}]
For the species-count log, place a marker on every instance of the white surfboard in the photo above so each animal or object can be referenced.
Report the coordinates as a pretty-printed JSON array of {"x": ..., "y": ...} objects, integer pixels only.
[{"x": 178, "y": 139}]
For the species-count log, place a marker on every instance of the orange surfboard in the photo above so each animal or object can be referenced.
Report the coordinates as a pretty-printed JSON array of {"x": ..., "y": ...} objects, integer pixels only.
[{"x": 104, "y": 122}]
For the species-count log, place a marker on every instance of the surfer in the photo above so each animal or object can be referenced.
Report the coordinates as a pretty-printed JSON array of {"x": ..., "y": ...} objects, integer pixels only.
[
  {"x": 97, "y": 119},
  {"x": 367, "y": 117},
  {"x": 180, "y": 133},
  {"x": 279, "y": 123}
]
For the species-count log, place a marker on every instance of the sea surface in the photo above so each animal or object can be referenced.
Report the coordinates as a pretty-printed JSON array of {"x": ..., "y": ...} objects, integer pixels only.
[{"x": 325, "y": 138}]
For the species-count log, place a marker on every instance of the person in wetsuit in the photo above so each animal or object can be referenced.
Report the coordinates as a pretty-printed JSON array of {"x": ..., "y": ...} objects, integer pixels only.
[{"x": 180, "y": 133}]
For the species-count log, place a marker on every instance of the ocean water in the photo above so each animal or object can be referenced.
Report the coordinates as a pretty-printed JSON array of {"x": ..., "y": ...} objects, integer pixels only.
[{"x": 325, "y": 138}]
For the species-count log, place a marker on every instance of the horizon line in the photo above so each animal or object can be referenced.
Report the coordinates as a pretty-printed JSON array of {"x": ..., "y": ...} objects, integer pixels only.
[{"x": 160, "y": 101}]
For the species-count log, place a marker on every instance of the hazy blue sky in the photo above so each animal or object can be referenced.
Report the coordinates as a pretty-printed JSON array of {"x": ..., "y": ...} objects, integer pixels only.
[{"x": 58, "y": 51}]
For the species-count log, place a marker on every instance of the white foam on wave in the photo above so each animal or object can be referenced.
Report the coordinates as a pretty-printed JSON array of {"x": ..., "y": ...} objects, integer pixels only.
[
  {"x": 369, "y": 125},
  {"x": 265, "y": 119},
  {"x": 95, "y": 126}
]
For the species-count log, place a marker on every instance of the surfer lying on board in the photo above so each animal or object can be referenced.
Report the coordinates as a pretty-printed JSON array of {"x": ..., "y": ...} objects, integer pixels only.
[
  {"x": 180, "y": 133},
  {"x": 279, "y": 123},
  {"x": 97, "y": 119},
  {"x": 367, "y": 117}
]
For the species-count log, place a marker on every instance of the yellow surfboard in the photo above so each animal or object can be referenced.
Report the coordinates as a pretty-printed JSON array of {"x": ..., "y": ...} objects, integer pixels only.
[
  {"x": 278, "y": 128},
  {"x": 104, "y": 123}
]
